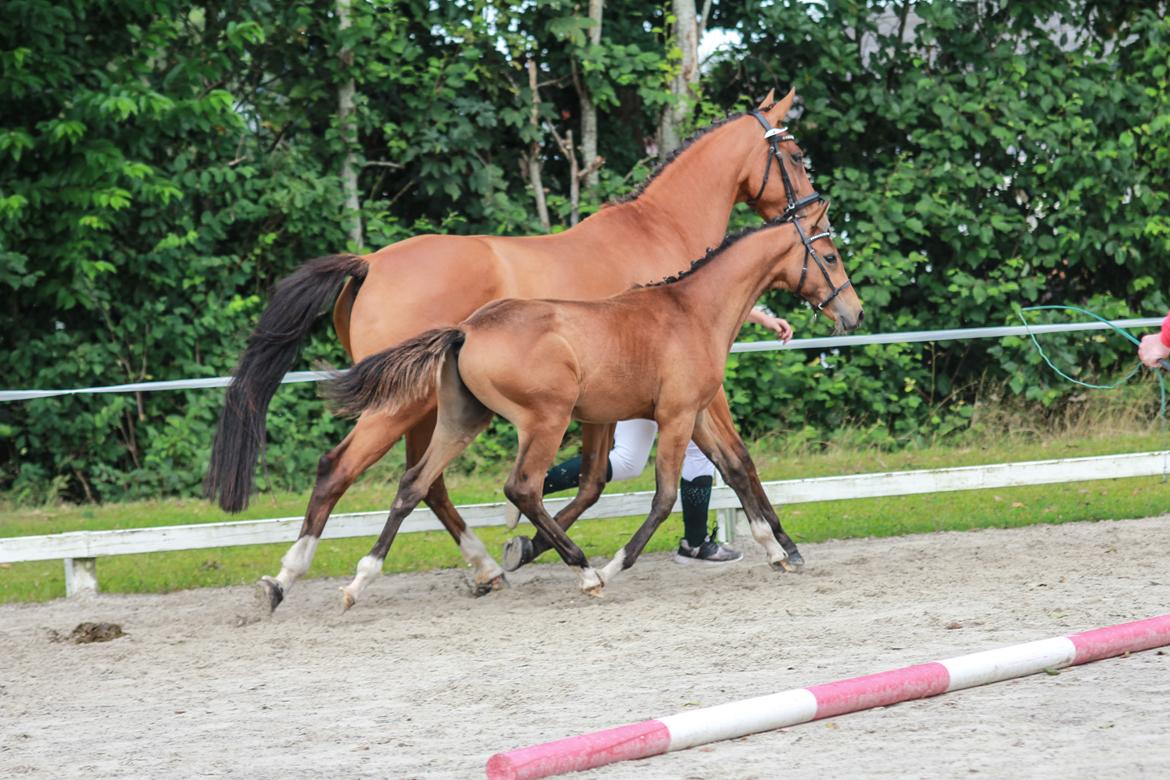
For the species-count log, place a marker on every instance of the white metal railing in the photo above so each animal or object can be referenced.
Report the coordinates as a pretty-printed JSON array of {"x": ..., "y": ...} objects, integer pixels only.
[
  {"x": 829, "y": 342},
  {"x": 80, "y": 549}
]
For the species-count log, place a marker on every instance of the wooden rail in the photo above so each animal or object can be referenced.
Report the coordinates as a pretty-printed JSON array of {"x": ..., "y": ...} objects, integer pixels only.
[{"x": 80, "y": 549}]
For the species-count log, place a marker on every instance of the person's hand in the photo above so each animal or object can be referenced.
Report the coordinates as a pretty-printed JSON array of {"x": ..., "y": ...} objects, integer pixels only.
[
  {"x": 777, "y": 325},
  {"x": 1153, "y": 350}
]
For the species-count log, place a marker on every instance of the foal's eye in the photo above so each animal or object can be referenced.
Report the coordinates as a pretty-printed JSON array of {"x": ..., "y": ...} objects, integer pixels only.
[
  {"x": 798, "y": 158},
  {"x": 830, "y": 259}
]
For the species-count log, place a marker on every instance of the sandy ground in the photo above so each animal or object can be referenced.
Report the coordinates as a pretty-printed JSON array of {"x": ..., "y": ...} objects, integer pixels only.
[{"x": 421, "y": 680}]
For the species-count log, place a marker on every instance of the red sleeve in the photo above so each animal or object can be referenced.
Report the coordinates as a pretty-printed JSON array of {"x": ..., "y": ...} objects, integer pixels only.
[{"x": 1166, "y": 331}]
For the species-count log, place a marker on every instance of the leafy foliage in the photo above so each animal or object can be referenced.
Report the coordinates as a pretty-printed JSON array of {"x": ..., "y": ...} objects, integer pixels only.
[{"x": 162, "y": 164}]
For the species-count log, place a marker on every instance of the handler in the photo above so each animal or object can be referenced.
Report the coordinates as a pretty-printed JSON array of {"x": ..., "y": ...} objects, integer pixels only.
[
  {"x": 632, "y": 440},
  {"x": 1156, "y": 346}
]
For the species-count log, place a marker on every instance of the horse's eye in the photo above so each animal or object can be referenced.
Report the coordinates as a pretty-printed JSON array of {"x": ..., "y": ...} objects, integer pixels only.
[
  {"x": 830, "y": 259},
  {"x": 798, "y": 158}
]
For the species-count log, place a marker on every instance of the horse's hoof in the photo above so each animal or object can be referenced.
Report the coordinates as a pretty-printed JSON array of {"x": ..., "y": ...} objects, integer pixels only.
[
  {"x": 595, "y": 591},
  {"x": 347, "y": 600},
  {"x": 517, "y": 552},
  {"x": 499, "y": 582},
  {"x": 511, "y": 516},
  {"x": 269, "y": 594},
  {"x": 796, "y": 560}
]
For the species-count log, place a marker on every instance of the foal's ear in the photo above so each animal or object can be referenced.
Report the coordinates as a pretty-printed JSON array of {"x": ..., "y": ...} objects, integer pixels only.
[
  {"x": 768, "y": 100},
  {"x": 817, "y": 214},
  {"x": 779, "y": 109}
]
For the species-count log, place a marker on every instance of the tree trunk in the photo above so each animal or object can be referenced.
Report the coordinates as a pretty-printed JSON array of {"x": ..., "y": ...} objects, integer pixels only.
[
  {"x": 686, "y": 37},
  {"x": 349, "y": 170},
  {"x": 588, "y": 110},
  {"x": 532, "y": 159}
]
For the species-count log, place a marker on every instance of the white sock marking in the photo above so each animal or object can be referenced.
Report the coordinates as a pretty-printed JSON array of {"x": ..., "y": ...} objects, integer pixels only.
[
  {"x": 611, "y": 569},
  {"x": 589, "y": 579},
  {"x": 369, "y": 569},
  {"x": 296, "y": 561},
  {"x": 486, "y": 568},
  {"x": 762, "y": 532}
]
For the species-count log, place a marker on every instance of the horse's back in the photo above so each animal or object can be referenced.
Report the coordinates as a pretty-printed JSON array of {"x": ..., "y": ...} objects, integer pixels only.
[{"x": 420, "y": 283}]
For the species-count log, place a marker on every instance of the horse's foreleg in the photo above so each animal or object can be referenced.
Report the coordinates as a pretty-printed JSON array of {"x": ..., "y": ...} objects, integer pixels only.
[
  {"x": 716, "y": 436},
  {"x": 596, "y": 440},
  {"x": 673, "y": 435},
  {"x": 373, "y": 435},
  {"x": 540, "y": 437},
  {"x": 488, "y": 575},
  {"x": 461, "y": 417}
]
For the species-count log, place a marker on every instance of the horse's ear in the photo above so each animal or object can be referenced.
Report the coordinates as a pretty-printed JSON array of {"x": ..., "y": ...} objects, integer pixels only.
[
  {"x": 779, "y": 110},
  {"x": 768, "y": 101},
  {"x": 817, "y": 213}
]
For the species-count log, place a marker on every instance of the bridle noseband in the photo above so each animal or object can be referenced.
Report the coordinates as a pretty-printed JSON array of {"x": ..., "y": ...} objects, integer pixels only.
[{"x": 774, "y": 135}]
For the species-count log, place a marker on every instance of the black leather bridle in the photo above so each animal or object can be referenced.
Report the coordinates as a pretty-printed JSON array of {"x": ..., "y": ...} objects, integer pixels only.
[{"x": 774, "y": 135}]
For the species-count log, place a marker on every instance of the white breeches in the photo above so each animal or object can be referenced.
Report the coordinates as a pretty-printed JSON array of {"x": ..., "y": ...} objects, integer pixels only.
[{"x": 632, "y": 441}]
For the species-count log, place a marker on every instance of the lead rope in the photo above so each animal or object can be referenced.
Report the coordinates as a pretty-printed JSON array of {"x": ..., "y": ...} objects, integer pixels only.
[{"x": 1118, "y": 383}]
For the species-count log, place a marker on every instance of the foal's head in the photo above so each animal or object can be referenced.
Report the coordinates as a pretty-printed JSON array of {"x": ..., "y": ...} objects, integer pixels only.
[
  {"x": 774, "y": 180},
  {"x": 812, "y": 269}
]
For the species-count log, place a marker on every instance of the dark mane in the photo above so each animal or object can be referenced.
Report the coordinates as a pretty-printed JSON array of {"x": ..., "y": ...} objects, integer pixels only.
[
  {"x": 641, "y": 188},
  {"x": 711, "y": 254}
]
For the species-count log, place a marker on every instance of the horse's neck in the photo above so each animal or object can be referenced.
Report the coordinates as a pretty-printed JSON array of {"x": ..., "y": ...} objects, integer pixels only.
[
  {"x": 685, "y": 209},
  {"x": 722, "y": 293}
]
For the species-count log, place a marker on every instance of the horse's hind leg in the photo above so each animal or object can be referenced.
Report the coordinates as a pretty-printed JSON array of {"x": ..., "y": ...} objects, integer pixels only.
[
  {"x": 488, "y": 576},
  {"x": 673, "y": 435},
  {"x": 596, "y": 439},
  {"x": 716, "y": 436},
  {"x": 372, "y": 436},
  {"x": 461, "y": 418}
]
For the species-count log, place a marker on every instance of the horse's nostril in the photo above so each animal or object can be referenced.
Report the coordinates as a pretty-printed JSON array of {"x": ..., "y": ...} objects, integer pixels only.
[{"x": 860, "y": 316}]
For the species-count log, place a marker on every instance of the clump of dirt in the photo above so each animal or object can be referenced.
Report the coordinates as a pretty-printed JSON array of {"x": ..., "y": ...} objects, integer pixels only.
[{"x": 85, "y": 633}]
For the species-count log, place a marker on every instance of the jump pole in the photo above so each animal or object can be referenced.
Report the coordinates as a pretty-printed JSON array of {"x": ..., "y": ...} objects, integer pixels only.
[{"x": 801, "y": 705}]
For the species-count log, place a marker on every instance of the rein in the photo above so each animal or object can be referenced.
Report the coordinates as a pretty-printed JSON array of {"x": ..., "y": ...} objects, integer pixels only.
[{"x": 774, "y": 135}]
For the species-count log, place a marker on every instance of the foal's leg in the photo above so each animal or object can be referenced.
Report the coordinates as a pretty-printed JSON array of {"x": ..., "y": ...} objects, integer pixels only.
[
  {"x": 673, "y": 436},
  {"x": 488, "y": 575},
  {"x": 371, "y": 437},
  {"x": 596, "y": 440},
  {"x": 540, "y": 437},
  {"x": 716, "y": 436},
  {"x": 461, "y": 418}
]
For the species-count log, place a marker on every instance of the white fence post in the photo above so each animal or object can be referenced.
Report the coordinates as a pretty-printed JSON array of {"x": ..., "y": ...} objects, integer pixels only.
[{"x": 81, "y": 576}]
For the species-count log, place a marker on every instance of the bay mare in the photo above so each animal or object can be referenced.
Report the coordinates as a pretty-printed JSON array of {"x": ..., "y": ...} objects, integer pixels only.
[
  {"x": 655, "y": 352},
  {"x": 432, "y": 281}
]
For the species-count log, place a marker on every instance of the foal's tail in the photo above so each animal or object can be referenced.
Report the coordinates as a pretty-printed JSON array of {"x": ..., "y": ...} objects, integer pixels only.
[
  {"x": 296, "y": 303},
  {"x": 394, "y": 377}
]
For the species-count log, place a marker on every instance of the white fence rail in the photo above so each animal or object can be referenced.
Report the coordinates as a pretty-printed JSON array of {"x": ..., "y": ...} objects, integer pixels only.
[
  {"x": 80, "y": 549},
  {"x": 829, "y": 342}
]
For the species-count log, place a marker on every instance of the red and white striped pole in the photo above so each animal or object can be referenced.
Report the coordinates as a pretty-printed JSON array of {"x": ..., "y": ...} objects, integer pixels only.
[{"x": 801, "y": 705}]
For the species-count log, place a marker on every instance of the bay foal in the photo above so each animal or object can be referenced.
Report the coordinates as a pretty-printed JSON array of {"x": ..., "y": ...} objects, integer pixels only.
[{"x": 655, "y": 352}]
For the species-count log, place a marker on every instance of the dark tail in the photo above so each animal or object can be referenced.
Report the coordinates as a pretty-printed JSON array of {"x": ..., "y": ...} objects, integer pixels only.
[
  {"x": 396, "y": 376},
  {"x": 296, "y": 303}
]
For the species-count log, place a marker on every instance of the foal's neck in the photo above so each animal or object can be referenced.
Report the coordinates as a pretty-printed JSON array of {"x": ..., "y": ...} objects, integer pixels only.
[{"x": 722, "y": 292}]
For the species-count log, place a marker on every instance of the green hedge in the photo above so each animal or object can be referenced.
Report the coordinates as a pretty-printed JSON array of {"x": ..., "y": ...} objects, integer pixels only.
[{"x": 161, "y": 165}]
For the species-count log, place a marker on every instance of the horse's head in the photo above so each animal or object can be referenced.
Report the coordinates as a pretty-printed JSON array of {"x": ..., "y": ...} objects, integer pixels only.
[
  {"x": 812, "y": 269},
  {"x": 774, "y": 181}
]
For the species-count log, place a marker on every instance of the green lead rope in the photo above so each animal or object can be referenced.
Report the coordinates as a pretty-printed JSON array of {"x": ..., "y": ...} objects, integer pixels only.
[{"x": 1118, "y": 383}]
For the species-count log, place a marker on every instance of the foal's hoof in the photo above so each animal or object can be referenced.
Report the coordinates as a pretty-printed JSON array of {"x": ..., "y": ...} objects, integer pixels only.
[
  {"x": 499, "y": 582},
  {"x": 517, "y": 552},
  {"x": 792, "y": 564},
  {"x": 269, "y": 594},
  {"x": 347, "y": 600},
  {"x": 595, "y": 591}
]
